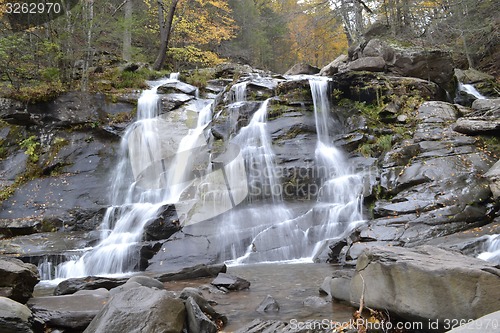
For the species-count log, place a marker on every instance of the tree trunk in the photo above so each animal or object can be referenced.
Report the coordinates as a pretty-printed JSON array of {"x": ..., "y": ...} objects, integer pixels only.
[
  {"x": 88, "y": 58},
  {"x": 127, "y": 33},
  {"x": 165, "y": 30}
]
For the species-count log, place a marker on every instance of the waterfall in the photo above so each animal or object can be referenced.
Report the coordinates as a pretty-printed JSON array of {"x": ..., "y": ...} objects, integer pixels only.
[
  {"x": 339, "y": 199},
  {"x": 340, "y": 196},
  {"x": 239, "y": 91},
  {"x": 470, "y": 89},
  {"x": 134, "y": 206},
  {"x": 255, "y": 144},
  {"x": 491, "y": 249}
]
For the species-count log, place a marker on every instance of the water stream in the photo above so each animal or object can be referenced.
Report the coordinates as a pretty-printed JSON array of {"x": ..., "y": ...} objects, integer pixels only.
[
  {"x": 134, "y": 206},
  {"x": 470, "y": 89},
  {"x": 491, "y": 249}
]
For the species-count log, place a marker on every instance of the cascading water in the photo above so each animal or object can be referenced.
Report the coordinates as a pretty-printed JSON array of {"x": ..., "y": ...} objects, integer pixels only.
[
  {"x": 132, "y": 206},
  {"x": 491, "y": 249},
  {"x": 339, "y": 203},
  {"x": 341, "y": 192},
  {"x": 470, "y": 89}
]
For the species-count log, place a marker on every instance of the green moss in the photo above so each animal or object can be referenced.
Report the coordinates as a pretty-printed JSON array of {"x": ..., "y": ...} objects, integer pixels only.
[
  {"x": 199, "y": 78},
  {"x": 37, "y": 92},
  {"x": 381, "y": 145},
  {"x": 276, "y": 110},
  {"x": 32, "y": 148}
]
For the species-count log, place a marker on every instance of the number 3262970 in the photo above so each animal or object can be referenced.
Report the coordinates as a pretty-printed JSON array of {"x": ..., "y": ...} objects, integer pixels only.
[{"x": 32, "y": 8}]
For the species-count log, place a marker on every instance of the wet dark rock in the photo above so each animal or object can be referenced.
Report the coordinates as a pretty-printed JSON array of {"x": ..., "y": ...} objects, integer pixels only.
[
  {"x": 183, "y": 251},
  {"x": 234, "y": 117},
  {"x": 17, "y": 318},
  {"x": 69, "y": 312},
  {"x": 18, "y": 279},
  {"x": 197, "y": 321},
  {"x": 126, "y": 312},
  {"x": 302, "y": 68},
  {"x": 424, "y": 283},
  {"x": 73, "y": 193},
  {"x": 268, "y": 304},
  {"x": 164, "y": 226},
  {"x": 468, "y": 242},
  {"x": 70, "y": 286},
  {"x": 230, "y": 282},
  {"x": 296, "y": 91}
]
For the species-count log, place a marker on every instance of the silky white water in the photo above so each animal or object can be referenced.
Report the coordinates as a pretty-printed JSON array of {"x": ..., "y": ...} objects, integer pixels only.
[
  {"x": 471, "y": 90},
  {"x": 491, "y": 249},
  {"x": 132, "y": 206},
  {"x": 340, "y": 197},
  {"x": 339, "y": 201}
]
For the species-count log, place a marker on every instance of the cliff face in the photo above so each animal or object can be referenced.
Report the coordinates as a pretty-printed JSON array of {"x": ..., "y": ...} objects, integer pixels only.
[{"x": 422, "y": 178}]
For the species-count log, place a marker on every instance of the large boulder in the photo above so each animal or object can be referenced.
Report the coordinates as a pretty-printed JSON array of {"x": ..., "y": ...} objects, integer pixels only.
[
  {"x": 371, "y": 64},
  {"x": 425, "y": 283},
  {"x": 18, "y": 279},
  {"x": 335, "y": 66},
  {"x": 302, "y": 68},
  {"x": 17, "y": 318},
  {"x": 485, "y": 119},
  {"x": 433, "y": 65},
  {"x": 140, "y": 309}
]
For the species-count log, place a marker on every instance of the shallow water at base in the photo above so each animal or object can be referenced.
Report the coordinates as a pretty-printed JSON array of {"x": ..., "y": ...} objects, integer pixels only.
[{"x": 288, "y": 284}]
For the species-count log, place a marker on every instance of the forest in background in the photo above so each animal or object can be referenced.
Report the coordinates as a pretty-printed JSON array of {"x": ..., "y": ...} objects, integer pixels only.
[{"x": 85, "y": 46}]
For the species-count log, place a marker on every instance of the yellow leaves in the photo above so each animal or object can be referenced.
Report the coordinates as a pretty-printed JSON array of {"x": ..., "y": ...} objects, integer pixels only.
[
  {"x": 317, "y": 38},
  {"x": 203, "y": 22}
]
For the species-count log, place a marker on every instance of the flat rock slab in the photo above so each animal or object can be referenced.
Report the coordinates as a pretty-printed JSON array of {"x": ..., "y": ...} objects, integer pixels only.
[
  {"x": 426, "y": 282},
  {"x": 69, "y": 311}
]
